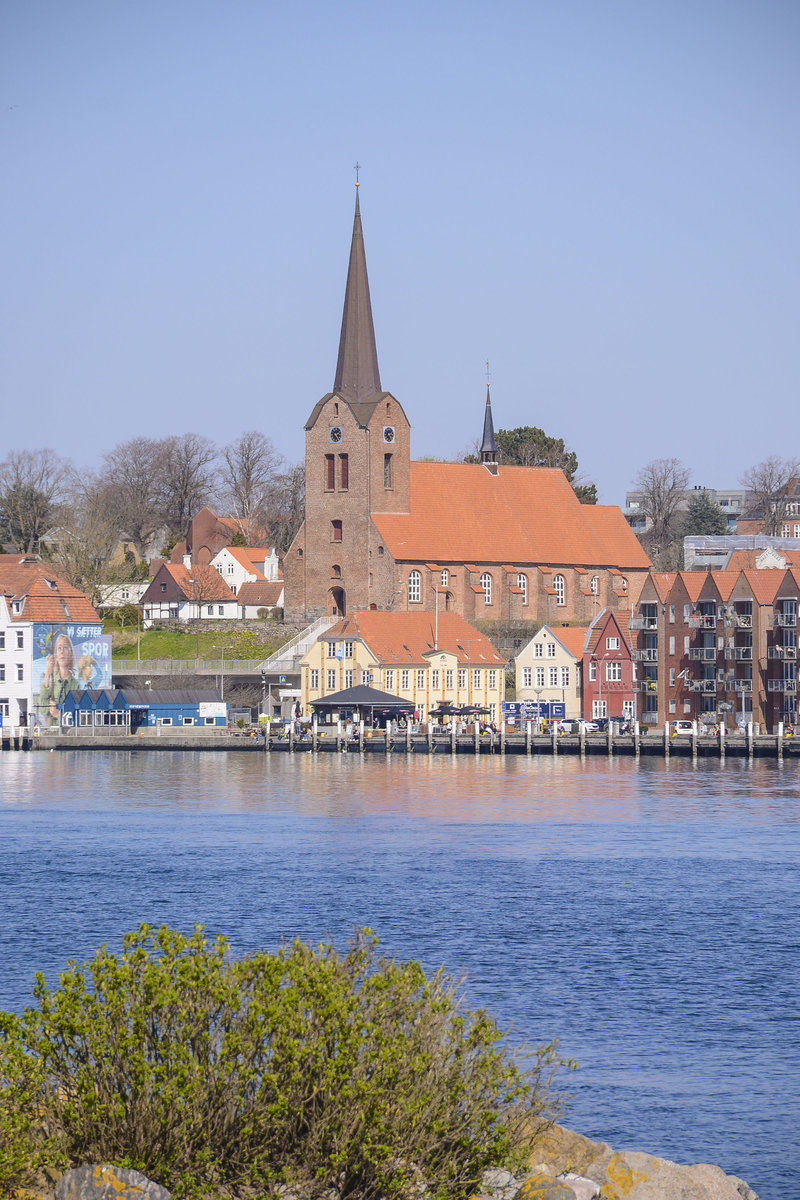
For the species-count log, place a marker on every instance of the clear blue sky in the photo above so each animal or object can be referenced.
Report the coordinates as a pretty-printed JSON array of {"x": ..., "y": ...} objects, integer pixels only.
[{"x": 602, "y": 198}]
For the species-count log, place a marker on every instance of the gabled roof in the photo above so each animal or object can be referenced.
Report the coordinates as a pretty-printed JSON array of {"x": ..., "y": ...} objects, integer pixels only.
[
  {"x": 598, "y": 627},
  {"x": 571, "y": 637},
  {"x": 44, "y": 595},
  {"x": 208, "y": 583},
  {"x": 260, "y": 591},
  {"x": 461, "y": 512},
  {"x": 764, "y": 585},
  {"x": 407, "y": 638}
]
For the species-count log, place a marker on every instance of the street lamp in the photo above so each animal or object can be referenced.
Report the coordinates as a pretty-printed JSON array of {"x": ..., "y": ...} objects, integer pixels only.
[
  {"x": 193, "y": 582},
  {"x": 222, "y": 675}
]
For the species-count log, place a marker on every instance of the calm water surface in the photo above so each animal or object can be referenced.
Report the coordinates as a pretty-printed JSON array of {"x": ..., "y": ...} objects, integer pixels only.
[{"x": 647, "y": 915}]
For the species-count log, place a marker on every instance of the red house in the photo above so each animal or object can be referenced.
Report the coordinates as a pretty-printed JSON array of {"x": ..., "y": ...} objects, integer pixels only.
[{"x": 608, "y": 668}]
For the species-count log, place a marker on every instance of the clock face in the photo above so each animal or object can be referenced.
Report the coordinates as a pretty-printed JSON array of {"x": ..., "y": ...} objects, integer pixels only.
[
  {"x": 336, "y": 433},
  {"x": 388, "y": 433}
]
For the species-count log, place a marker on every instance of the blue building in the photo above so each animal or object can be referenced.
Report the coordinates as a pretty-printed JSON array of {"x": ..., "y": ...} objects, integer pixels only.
[{"x": 130, "y": 709}]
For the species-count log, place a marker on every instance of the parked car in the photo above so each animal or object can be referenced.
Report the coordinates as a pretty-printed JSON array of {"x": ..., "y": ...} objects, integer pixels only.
[{"x": 681, "y": 727}]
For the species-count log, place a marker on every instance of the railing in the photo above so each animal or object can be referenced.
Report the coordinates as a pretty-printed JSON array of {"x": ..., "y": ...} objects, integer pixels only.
[
  {"x": 643, "y": 623},
  {"x": 740, "y": 653},
  {"x": 293, "y": 650},
  {"x": 741, "y": 620},
  {"x": 649, "y": 718},
  {"x": 781, "y": 685},
  {"x": 645, "y": 685},
  {"x": 702, "y": 685},
  {"x": 782, "y": 652},
  {"x": 742, "y": 685},
  {"x": 703, "y": 621},
  {"x": 649, "y": 654},
  {"x": 703, "y": 653},
  {"x": 784, "y": 620},
  {"x": 186, "y": 666}
]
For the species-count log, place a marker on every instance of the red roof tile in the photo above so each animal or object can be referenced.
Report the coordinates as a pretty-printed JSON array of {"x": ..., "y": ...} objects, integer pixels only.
[
  {"x": 460, "y": 512},
  {"x": 406, "y": 637}
]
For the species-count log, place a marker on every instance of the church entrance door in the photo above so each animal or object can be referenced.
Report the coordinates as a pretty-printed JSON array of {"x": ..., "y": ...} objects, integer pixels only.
[{"x": 338, "y": 602}]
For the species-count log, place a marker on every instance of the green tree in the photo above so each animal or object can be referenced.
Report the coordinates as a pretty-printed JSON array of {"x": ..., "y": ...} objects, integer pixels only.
[
  {"x": 306, "y": 1068},
  {"x": 529, "y": 446},
  {"x": 703, "y": 516}
]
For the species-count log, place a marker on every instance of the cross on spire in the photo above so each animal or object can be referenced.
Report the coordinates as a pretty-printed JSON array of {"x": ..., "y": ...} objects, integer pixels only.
[{"x": 357, "y": 168}]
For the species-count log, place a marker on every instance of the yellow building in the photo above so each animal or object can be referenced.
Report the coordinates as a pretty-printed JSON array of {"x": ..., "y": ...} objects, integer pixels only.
[
  {"x": 422, "y": 658},
  {"x": 548, "y": 668}
]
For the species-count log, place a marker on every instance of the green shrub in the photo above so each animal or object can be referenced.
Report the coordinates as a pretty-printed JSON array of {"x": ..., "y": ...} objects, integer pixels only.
[{"x": 306, "y": 1067}]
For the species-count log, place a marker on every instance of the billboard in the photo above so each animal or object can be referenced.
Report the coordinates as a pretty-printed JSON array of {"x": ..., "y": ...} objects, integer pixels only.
[
  {"x": 525, "y": 710},
  {"x": 68, "y": 657}
]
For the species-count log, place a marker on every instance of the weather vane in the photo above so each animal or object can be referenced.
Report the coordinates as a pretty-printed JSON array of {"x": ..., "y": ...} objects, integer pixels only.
[{"x": 357, "y": 168}]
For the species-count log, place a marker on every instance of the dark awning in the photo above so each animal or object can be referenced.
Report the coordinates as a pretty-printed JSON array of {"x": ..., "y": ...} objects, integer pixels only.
[{"x": 362, "y": 696}]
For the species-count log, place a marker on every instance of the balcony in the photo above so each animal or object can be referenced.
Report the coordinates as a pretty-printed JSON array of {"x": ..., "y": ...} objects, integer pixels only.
[
  {"x": 741, "y": 685},
  {"x": 643, "y": 623},
  {"x": 784, "y": 620},
  {"x": 741, "y": 620},
  {"x": 649, "y": 654},
  {"x": 648, "y": 718},
  {"x": 703, "y": 621},
  {"x": 703, "y": 653},
  {"x": 781, "y": 685},
  {"x": 784, "y": 653},
  {"x": 703, "y": 685},
  {"x": 740, "y": 653},
  {"x": 645, "y": 685}
]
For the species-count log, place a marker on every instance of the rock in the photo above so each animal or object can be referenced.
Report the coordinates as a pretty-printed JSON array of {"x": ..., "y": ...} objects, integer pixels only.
[
  {"x": 108, "y": 1183},
  {"x": 545, "y": 1187},
  {"x": 626, "y": 1175}
]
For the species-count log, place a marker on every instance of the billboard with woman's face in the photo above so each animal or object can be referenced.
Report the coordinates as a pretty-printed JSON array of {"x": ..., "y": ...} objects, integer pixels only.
[{"x": 68, "y": 657}]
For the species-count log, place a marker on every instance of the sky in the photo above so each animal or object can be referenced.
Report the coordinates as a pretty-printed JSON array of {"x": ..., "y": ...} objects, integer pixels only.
[{"x": 598, "y": 197}]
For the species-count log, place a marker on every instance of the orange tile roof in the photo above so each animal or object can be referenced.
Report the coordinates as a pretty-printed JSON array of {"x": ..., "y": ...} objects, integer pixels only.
[
  {"x": 244, "y": 557},
  {"x": 571, "y": 637},
  {"x": 406, "y": 637},
  {"x": 460, "y": 512},
  {"x": 764, "y": 584},
  {"x": 740, "y": 559},
  {"x": 45, "y": 596},
  {"x": 210, "y": 584},
  {"x": 260, "y": 591}
]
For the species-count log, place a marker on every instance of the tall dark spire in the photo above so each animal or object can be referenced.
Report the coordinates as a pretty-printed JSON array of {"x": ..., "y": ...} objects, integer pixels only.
[
  {"x": 488, "y": 444},
  {"x": 357, "y": 375}
]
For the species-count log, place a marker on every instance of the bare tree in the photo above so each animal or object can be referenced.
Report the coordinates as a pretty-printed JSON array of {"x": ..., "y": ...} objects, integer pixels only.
[
  {"x": 31, "y": 490},
  {"x": 774, "y": 483},
  {"x": 134, "y": 472},
  {"x": 88, "y": 538},
  {"x": 663, "y": 483},
  {"x": 249, "y": 474},
  {"x": 287, "y": 506},
  {"x": 189, "y": 478}
]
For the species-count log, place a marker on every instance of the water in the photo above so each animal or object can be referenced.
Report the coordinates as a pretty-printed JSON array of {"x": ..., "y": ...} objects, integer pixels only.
[{"x": 646, "y": 915}]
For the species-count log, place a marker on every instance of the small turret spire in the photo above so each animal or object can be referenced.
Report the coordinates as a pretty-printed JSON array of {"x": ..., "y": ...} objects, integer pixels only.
[
  {"x": 357, "y": 374},
  {"x": 488, "y": 443}
]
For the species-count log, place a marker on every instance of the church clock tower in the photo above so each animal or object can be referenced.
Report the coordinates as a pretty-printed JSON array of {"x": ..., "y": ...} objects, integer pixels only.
[{"x": 357, "y": 463}]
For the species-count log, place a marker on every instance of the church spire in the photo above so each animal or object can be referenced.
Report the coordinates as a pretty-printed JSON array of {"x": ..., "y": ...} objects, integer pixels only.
[
  {"x": 357, "y": 376},
  {"x": 488, "y": 443}
]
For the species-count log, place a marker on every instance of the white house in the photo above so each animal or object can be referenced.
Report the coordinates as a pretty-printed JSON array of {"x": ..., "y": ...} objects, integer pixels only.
[
  {"x": 548, "y": 668},
  {"x": 51, "y": 642}
]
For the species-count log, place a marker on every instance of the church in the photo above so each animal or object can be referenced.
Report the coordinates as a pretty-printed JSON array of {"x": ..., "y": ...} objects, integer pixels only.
[{"x": 487, "y": 541}]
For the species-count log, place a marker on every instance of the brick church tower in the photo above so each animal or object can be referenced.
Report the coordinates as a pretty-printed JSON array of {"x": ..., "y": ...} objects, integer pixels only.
[{"x": 357, "y": 463}]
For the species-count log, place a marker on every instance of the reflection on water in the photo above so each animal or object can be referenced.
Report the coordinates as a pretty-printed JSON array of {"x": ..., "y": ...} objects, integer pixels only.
[{"x": 645, "y": 914}]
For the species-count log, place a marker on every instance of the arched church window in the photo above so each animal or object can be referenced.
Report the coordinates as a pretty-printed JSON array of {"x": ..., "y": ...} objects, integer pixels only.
[
  {"x": 486, "y": 584},
  {"x": 560, "y": 586},
  {"x": 414, "y": 587},
  {"x": 445, "y": 577},
  {"x": 522, "y": 584}
]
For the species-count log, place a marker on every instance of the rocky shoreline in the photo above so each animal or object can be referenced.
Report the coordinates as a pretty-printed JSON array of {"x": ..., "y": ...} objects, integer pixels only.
[{"x": 564, "y": 1166}]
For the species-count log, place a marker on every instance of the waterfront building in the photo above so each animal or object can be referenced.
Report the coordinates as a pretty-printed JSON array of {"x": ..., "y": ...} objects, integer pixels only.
[
  {"x": 51, "y": 640},
  {"x": 549, "y": 668},
  {"x": 130, "y": 709},
  {"x": 484, "y": 540},
  {"x": 718, "y": 647},
  {"x": 608, "y": 669},
  {"x": 427, "y": 660}
]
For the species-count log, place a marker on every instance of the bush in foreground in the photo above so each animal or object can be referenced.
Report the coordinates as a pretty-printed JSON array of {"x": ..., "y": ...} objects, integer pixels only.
[{"x": 305, "y": 1066}]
